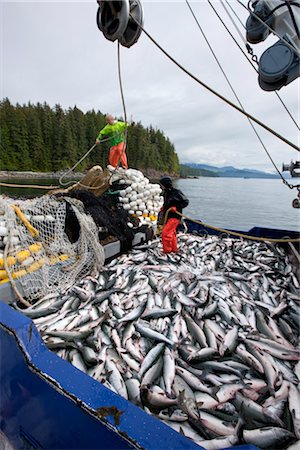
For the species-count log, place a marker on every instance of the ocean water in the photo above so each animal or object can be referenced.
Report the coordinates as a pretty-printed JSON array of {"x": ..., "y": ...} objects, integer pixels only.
[
  {"x": 28, "y": 192},
  {"x": 236, "y": 203},
  {"x": 241, "y": 203}
]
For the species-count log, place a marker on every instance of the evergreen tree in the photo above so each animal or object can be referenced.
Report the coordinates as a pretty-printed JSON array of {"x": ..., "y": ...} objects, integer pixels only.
[
  {"x": 37, "y": 149},
  {"x": 39, "y": 138}
]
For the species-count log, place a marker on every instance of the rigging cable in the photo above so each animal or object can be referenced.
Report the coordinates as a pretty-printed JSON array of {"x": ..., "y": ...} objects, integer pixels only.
[
  {"x": 245, "y": 113},
  {"x": 102, "y": 140},
  {"x": 123, "y": 103},
  {"x": 249, "y": 49},
  {"x": 235, "y": 94},
  {"x": 120, "y": 83},
  {"x": 73, "y": 167},
  {"x": 238, "y": 18},
  {"x": 233, "y": 22}
]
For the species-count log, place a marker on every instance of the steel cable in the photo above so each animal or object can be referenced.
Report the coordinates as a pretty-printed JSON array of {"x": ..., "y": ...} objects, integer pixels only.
[
  {"x": 235, "y": 94},
  {"x": 245, "y": 113},
  {"x": 248, "y": 48}
]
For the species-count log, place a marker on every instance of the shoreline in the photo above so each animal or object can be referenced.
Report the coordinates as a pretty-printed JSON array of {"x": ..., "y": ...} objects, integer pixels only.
[
  {"x": 28, "y": 175},
  {"x": 6, "y": 175}
]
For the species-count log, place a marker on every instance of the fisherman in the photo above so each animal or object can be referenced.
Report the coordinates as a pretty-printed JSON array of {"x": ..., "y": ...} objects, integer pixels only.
[
  {"x": 174, "y": 201},
  {"x": 115, "y": 131}
]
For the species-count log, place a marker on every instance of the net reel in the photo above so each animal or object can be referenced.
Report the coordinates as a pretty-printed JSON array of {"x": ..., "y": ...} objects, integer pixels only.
[
  {"x": 120, "y": 20},
  {"x": 133, "y": 30},
  {"x": 112, "y": 18}
]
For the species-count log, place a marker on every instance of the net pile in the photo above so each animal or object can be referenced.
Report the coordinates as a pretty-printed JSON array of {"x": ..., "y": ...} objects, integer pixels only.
[
  {"x": 113, "y": 222},
  {"x": 49, "y": 243},
  {"x": 36, "y": 255}
]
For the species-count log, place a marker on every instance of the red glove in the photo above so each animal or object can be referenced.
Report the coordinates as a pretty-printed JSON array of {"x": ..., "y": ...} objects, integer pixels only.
[{"x": 173, "y": 208}]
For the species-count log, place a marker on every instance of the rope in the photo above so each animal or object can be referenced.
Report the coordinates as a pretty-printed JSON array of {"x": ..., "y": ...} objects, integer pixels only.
[
  {"x": 102, "y": 140},
  {"x": 235, "y": 94},
  {"x": 245, "y": 113},
  {"x": 12, "y": 281},
  {"x": 123, "y": 102},
  {"x": 78, "y": 162},
  {"x": 234, "y": 233},
  {"x": 33, "y": 231},
  {"x": 31, "y": 186},
  {"x": 75, "y": 165},
  {"x": 34, "y": 186}
]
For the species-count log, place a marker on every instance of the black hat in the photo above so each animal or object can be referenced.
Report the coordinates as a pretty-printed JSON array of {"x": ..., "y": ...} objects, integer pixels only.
[{"x": 166, "y": 182}]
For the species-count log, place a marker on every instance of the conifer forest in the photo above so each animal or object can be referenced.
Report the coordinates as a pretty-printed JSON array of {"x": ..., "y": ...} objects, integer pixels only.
[{"x": 39, "y": 138}]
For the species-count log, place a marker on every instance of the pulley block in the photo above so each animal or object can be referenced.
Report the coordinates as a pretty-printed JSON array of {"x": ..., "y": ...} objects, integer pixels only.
[
  {"x": 278, "y": 66},
  {"x": 112, "y": 18},
  {"x": 256, "y": 31},
  {"x": 134, "y": 25},
  {"x": 293, "y": 168}
]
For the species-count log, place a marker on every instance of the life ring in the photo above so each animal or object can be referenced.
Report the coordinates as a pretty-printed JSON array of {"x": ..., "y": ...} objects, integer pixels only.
[
  {"x": 112, "y": 18},
  {"x": 134, "y": 25}
]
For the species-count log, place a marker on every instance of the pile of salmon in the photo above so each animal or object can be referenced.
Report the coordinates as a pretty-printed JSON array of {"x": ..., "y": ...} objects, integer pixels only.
[{"x": 206, "y": 340}]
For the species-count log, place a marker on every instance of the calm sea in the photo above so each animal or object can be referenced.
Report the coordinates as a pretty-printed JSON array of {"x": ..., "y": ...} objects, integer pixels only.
[
  {"x": 241, "y": 203},
  {"x": 235, "y": 203},
  {"x": 21, "y": 192}
]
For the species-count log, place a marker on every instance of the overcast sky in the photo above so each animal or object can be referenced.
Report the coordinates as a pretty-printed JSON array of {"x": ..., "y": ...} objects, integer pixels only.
[{"x": 53, "y": 52}]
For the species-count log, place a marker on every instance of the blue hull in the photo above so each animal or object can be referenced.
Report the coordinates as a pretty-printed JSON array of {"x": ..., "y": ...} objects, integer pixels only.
[
  {"x": 48, "y": 403},
  {"x": 269, "y": 233}
]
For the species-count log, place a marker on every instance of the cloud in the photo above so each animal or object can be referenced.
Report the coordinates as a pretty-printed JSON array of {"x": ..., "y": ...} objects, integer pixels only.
[{"x": 58, "y": 55}]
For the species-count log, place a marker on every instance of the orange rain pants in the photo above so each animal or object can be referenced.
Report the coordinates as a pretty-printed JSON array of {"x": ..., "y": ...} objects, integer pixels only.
[
  {"x": 116, "y": 155},
  {"x": 168, "y": 236}
]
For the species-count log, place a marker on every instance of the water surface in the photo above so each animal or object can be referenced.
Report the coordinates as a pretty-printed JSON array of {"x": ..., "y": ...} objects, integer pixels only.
[
  {"x": 236, "y": 203},
  {"x": 241, "y": 203}
]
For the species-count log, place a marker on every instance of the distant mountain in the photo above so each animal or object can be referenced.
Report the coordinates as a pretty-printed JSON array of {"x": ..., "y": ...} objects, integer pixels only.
[
  {"x": 232, "y": 172},
  {"x": 187, "y": 171}
]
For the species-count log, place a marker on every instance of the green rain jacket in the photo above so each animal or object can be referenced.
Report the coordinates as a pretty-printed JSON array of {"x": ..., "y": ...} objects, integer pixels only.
[{"x": 116, "y": 131}]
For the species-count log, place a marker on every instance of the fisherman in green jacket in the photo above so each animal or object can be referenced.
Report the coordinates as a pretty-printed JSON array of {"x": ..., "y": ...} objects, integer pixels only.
[{"x": 115, "y": 130}]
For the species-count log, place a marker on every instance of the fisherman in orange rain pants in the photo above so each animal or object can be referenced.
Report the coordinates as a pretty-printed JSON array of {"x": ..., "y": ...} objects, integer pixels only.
[
  {"x": 115, "y": 131},
  {"x": 174, "y": 200}
]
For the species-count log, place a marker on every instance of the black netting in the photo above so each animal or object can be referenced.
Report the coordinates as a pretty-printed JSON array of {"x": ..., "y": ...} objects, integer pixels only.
[{"x": 111, "y": 219}]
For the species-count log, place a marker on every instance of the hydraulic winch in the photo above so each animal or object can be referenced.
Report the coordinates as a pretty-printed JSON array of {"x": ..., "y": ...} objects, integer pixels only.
[{"x": 279, "y": 64}]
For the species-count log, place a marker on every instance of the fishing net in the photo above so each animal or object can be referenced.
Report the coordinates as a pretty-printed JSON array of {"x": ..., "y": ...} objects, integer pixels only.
[
  {"x": 38, "y": 256},
  {"x": 111, "y": 219},
  {"x": 48, "y": 243}
]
